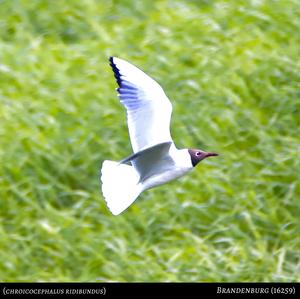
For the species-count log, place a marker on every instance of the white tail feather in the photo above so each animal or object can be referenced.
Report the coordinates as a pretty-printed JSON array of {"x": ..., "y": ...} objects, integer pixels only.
[{"x": 120, "y": 186}]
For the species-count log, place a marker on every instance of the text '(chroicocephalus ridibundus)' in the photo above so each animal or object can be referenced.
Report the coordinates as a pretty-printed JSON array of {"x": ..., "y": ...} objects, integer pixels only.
[{"x": 155, "y": 160}]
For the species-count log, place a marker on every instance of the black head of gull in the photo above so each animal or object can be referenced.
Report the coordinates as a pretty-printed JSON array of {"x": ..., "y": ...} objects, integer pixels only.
[{"x": 198, "y": 155}]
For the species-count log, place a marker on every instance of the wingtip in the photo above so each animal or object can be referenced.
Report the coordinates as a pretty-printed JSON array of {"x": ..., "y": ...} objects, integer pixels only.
[
  {"x": 111, "y": 61},
  {"x": 115, "y": 70}
]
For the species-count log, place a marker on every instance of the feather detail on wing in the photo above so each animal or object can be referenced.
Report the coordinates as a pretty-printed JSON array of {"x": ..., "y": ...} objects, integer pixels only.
[{"x": 148, "y": 108}]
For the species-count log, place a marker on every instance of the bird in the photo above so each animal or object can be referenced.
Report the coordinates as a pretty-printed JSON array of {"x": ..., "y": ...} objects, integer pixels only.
[{"x": 155, "y": 159}]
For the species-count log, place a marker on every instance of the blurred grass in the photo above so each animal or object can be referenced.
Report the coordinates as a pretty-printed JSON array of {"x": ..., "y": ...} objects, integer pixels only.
[{"x": 232, "y": 72}]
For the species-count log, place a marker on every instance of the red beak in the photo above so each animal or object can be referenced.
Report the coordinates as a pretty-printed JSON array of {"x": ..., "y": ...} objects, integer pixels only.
[{"x": 211, "y": 154}]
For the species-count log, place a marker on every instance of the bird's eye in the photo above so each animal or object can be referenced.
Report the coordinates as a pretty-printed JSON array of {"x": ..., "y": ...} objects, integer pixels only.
[{"x": 198, "y": 154}]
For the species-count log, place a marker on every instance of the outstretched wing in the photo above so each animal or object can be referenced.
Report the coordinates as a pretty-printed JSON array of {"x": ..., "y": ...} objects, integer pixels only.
[{"x": 148, "y": 108}]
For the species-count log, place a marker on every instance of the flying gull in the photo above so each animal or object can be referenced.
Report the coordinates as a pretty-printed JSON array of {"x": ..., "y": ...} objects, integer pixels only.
[{"x": 155, "y": 159}]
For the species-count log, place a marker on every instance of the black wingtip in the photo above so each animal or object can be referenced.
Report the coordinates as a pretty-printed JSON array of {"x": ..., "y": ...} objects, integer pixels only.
[{"x": 115, "y": 70}]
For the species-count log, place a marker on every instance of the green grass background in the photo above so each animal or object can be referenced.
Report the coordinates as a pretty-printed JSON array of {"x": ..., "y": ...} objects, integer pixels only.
[{"x": 232, "y": 72}]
